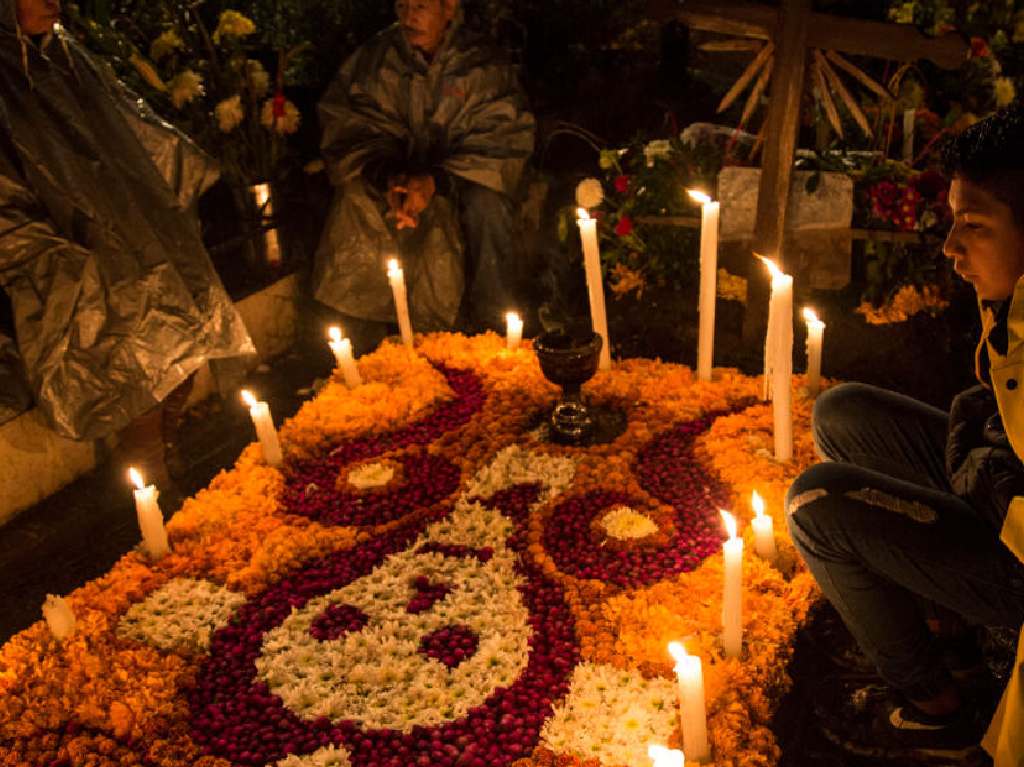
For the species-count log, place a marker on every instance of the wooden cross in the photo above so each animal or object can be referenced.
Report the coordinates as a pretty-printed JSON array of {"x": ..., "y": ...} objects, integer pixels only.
[{"x": 794, "y": 28}]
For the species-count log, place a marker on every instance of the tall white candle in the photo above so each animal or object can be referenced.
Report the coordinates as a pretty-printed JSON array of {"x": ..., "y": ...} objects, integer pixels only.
[
  {"x": 779, "y": 360},
  {"x": 60, "y": 618},
  {"x": 815, "y": 336},
  {"x": 264, "y": 423},
  {"x": 595, "y": 283},
  {"x": 764, "y": 533},
  {"x": 397, "y": 279},
  {"x": 342, "y": 348},
  {"x": 513, "y": 330},
  {"x": 708, "y": 274},
  {"x": 265, "y": 204},
  {"x": 692, "y": 713},
  {"x": 665, "y": 757},
  {"x": 151, "y": 520},
  {"x": 732, "y": 591}
]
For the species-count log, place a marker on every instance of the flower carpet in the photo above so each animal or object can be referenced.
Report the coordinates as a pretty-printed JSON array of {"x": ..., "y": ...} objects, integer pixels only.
[{"x": 428, "y": 581}]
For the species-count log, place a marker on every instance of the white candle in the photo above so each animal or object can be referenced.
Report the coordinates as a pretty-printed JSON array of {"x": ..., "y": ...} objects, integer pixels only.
[
  {"x": 692, "y": 714},
  {"x": 60, "y": 618},
  {"x": 732, "y": 591},
  {"x": 513, "y": 330},
  {"x": 815, "y": 336},
  {"x": 397, "y": 279},
  {"x": 779, "y": 360},
  {"x": 266, "y": 207},
  {"x": 708, "y": 274},
  {"x": 595, "y": 283},
  {"x": 342, "y": 348},
  {"x": 264, "y": 423},
  {"x": 151, "y": 519},
  {"x": 665, "y": 757},
  {"x": 764, "y": 533}
]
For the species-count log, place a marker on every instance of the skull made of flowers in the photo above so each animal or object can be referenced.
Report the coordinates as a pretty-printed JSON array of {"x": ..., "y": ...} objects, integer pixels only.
[{"x": 421, "y": 640}]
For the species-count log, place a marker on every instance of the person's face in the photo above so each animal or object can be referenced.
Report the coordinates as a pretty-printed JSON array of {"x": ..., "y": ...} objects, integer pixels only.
[
  {"x": 36, "y": 17},
  {"x": 985, "y": 242},
  {"x": 424, "y": 21}
]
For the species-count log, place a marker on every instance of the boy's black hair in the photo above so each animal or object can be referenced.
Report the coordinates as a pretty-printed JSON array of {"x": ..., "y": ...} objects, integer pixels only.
[{"x": 991, "y": 154}]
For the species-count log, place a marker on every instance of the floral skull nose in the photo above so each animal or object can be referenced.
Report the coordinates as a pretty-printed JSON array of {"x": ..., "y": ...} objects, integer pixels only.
[
  {"x": 336, "y": 621},
  {"x": 428, "y": 593},
  {"x": 451, "y": 645}
]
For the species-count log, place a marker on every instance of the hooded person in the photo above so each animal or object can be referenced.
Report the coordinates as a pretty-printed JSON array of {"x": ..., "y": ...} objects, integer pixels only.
[
  {"x": 426, "y": 135},
  {"x": 115, "y": 300}
]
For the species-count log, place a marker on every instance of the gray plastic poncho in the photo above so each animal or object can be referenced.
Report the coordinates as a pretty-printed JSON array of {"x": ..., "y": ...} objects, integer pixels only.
[
  {"x": 464, "y": 113},
  {"x": 115, "y": 299}
]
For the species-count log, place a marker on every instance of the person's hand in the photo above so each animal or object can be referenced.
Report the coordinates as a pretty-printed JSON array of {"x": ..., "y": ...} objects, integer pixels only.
[
  {"x": 967, "y": 417},
  {"x": 415, "y": 194},
  {"x": 988, "y": 479}
]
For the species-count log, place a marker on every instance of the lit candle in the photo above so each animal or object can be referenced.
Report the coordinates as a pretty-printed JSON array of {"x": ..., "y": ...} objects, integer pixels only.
[
  {"x": 732, "y": 591},
  {"x": 151, "y": 520},
  {"x": 665, "y": 757},
  {"x": 513, "y": 330},
  {"x": 397, "y": 279},
  {"x": 692, "y": 715},
  {"x": 815, "y": 335},
  {"x": 60, "y": 618},
  {"x": 595, "y": 284},
  {"x": 764, "y": 533},
  {"x": 266, "y": 207},
  {"x": 264, "y": 423},
  {"x": 779, "y": 360},
  {"x": 342, "y": 348},
  {"x": 708, "y": 274}
]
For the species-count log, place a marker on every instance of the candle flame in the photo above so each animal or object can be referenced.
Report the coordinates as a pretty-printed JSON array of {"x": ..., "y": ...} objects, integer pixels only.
[
  {"x": 665, "y": 757},
  {"x": 758, "y": 503},
  {"x": 512, "y": 318},
  {"x": 248, "y": 398},
  {"x": 393, "y": 267},
  {"x": 698, "y": 196},
  {"x": 730, "y": 523},
  {"x": 583, "y": 214},
  {"x": 772, "y": 266},
  {"x": 810, "y": 315},
  {"x": 334, "y": 333},
  {"x": 136, "y": 477},
  {"x": 677, "y": 651}
]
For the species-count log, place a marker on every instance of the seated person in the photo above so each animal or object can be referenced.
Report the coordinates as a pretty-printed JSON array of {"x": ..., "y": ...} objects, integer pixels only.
[
  {"x": 114, "y": 298},
  {"x": 425, "y": 137},
  {"x": 917, "y": 507}
]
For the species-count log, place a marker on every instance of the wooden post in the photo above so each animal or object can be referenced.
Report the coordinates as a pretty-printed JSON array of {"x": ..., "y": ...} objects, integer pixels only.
[{"x": 783, "y": 125}]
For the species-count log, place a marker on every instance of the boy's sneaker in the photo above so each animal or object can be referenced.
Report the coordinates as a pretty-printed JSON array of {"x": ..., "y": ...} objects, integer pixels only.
[{"x": 866, "y": 718}]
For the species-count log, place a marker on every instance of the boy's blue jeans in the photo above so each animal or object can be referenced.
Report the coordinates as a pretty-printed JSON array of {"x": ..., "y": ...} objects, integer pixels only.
[{"x": 880, "y": 529}]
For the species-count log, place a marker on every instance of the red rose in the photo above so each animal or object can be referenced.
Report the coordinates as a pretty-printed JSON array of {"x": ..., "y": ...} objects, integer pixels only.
[
  {"x": 622, "y": 184},
  {"x": 278, "y": 107},
  {"x": 624, "y": 227},
  {"x": 886, "y": 192}
]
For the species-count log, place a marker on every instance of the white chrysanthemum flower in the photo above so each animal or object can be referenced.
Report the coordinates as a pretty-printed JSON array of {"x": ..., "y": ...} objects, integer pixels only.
[
  {"x": 328, "y": 756},
  {"x": 1004, "y": 90},
  {"x": 229, "y": 113},
  {"x": 185, "y": 87},
  {"x": 287, "y": 122},
  {"x": 589, "y": 193},
  {"x": 165, "y": 44},
  {"x": 623, "y": 523},
  {"x": 180, "y": 615},
  {"x": 233, "y": 24},
  {"x": 257, "y": 77},
  {"x": 371, "y": 475}
]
